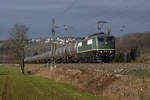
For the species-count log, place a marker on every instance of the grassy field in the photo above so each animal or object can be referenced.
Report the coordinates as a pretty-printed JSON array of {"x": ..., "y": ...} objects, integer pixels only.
[{"x": 33, "y": 87}]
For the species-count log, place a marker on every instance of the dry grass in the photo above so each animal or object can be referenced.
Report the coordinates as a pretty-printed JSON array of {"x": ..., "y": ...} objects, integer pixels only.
[
  {"x": 120, "y": 81},
  {"x": 129, "y": 88}
]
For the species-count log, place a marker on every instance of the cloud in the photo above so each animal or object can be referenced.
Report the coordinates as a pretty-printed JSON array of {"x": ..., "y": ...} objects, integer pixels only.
[{"x": 80, "y": 14}]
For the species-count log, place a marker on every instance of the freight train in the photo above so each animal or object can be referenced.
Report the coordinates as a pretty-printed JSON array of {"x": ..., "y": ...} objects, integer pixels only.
[{"x": 98, "y": 47}]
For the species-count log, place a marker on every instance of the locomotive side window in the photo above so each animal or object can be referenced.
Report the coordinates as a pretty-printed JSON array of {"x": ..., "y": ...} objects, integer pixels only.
[
  {"x": 89, "y": 42},
  {"x": 100, "y": 39},
  {"x": 80, "y": 44}
]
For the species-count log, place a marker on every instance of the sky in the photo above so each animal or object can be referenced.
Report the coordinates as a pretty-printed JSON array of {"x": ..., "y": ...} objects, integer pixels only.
[{"x": 74, "y": 17}]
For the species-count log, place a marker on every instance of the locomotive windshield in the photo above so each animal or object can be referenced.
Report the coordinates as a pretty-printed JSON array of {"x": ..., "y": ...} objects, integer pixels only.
[
  {"x": 100, "y": 39},
  {"x": 109, "y": 39}
]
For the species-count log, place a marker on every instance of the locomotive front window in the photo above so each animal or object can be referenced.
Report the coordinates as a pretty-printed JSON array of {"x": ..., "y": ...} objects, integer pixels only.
[
  {"x": 110, "y": 39},
  {"x": 101, "y": 39}
]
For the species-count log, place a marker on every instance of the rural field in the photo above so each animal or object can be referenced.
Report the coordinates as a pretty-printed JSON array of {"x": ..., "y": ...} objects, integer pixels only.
[
  {"x": 15, "y": 86},
  {"x": 87, "y": 81},
  {"x": 117, "y": 81}
]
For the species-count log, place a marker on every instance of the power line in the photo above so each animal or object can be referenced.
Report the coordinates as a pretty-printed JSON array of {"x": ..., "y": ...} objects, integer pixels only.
[
  {"x": 68, "y": 8},
  {"x": 119, "y": 15}
]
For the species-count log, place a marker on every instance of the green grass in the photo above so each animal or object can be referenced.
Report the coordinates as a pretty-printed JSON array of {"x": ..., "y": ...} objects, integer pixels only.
[{"x": 32, "y": 87}]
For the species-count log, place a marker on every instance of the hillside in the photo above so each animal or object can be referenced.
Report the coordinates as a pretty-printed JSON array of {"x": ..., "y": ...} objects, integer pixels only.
[{"x": 139, "y": 39}]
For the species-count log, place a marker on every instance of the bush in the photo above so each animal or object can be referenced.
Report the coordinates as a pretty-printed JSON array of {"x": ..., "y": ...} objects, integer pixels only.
[{"x": 119, "y": 57}]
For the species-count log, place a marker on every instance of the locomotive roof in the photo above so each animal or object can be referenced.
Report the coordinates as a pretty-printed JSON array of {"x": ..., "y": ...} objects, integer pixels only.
[{"x": 95, "y": 34}]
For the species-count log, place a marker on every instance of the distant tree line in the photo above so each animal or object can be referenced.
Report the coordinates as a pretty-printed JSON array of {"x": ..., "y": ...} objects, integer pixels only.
[
  {"x": 130, "y": 56},
  {"x": 134, "y": 40},
  {"x": 130, "y": 46}
]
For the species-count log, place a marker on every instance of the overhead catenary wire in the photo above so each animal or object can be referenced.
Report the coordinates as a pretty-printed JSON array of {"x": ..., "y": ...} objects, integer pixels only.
[
  {"x": 67, "y": 9},
  {"x": 118, "y": 15},
  {"x": 62, "y": 13}
]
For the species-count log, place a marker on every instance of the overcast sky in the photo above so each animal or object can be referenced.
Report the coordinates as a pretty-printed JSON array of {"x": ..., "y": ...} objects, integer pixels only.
[{"x": 81, "y": 16}]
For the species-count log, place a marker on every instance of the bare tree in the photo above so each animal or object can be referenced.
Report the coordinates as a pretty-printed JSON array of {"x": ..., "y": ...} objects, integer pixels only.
[{"x": 16, "y": 44}]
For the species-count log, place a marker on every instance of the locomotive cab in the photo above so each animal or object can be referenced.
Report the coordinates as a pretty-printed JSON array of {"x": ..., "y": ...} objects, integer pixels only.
[{"x": 106, "y": 48}]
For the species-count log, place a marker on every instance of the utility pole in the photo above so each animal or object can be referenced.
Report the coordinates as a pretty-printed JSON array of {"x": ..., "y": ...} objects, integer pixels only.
[{"x": 53, "y": 46}]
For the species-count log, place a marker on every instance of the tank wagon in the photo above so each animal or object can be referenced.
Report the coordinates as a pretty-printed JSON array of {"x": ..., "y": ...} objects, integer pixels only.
[{"x": 98, "y": 47}]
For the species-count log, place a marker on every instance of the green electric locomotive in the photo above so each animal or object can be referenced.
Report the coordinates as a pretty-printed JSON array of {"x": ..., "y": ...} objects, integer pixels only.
[{"x": 98, "y": 47}]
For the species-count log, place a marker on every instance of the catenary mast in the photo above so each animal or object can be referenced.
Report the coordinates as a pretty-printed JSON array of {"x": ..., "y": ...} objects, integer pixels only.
[{"x": 53, "y": 46}]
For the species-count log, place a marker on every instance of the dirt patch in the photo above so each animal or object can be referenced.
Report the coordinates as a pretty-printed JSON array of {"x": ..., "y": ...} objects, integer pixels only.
[
  {"x": 148, "y": 60},
  {"x": 5, "y": 89}
]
